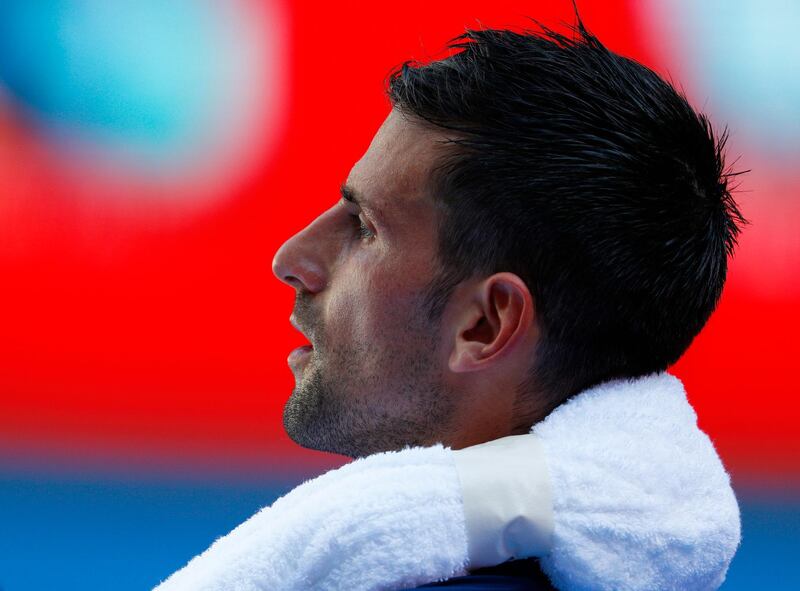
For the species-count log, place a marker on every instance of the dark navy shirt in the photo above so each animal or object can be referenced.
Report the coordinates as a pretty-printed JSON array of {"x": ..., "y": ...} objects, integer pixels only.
[{"x": 514, "y": 575}]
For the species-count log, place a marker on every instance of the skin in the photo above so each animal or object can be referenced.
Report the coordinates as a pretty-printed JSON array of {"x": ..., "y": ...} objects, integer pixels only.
[{"x": 380, "y": 376}]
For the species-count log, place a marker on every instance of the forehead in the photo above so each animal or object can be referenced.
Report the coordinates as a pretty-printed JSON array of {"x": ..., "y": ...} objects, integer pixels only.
[{"x": 394, "y": 170}]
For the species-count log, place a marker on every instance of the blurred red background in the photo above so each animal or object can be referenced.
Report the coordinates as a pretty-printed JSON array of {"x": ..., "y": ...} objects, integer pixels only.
[{"x": 143, "y": 331}]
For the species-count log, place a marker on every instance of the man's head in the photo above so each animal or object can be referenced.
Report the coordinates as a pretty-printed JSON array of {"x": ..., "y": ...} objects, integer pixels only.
[{"x": 536, "y": 215}]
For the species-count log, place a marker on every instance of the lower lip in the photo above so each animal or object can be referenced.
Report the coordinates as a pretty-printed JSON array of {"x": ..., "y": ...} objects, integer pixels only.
[{"x": 299, "y": 355}]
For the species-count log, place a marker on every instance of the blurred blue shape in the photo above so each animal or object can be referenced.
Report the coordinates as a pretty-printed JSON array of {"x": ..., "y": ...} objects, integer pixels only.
[
  {"x": 136, "y": 76},
  {"x": 746, "y": 55}
]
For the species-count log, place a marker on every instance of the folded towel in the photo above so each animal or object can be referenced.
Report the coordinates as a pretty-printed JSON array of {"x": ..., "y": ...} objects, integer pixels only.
[{"x": 640, "y": 500}]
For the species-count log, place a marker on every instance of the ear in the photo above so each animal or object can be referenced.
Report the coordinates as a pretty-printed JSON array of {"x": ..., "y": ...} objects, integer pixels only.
[{"x": 493, "y": 324}]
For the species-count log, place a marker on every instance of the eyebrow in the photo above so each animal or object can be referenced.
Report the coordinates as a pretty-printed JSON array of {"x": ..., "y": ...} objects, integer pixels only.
[{"x": 350, "y": 195}]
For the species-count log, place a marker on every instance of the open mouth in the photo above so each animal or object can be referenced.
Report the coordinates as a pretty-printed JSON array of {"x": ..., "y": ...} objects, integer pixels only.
[{"x": 301, "y": 353}]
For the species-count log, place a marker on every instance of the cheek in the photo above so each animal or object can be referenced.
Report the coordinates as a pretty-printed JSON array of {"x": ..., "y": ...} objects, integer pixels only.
[
  {"x": 372, "y": 295},
  {"x": 366, "y": 310},
  {"x": 348, "y": 311}
]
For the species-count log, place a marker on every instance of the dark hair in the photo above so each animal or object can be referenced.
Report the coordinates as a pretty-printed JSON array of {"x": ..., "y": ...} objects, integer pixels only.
[{"x": 591, "y": 178}]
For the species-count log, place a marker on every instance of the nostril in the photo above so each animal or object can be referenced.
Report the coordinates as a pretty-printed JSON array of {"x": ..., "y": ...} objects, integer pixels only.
[
  {"x": 293, "y": 282},
  {"x": 302, "y": 274},
  {"x": 284, "y": 266}
]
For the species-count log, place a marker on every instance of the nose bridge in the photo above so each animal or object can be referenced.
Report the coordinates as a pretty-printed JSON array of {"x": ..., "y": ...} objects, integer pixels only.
[{"x": 301, "y": 261}]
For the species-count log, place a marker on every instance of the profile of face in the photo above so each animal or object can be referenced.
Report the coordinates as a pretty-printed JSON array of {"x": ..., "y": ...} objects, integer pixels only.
[{"x": 378, "y": 375}]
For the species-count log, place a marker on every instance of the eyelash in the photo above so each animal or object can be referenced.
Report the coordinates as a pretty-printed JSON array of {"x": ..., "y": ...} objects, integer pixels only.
[{"x": 362, "y": 231}]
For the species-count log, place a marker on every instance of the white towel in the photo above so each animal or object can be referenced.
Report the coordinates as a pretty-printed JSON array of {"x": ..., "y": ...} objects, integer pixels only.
[{"x": 640, "y": 500}]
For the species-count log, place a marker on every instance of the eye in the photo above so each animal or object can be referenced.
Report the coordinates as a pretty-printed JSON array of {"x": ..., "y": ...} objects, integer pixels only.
[{"x": 362, "y": 231}]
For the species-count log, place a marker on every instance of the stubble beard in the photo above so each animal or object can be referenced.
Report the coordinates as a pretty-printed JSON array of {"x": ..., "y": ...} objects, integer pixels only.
[{"x": 342, "y": 406}]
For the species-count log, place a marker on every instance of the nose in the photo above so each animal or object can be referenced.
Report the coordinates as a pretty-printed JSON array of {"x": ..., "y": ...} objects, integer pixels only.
[{"x": 297, "y": 262}]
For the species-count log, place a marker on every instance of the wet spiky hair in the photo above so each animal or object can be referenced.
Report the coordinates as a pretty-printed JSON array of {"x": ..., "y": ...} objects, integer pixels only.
[{"x": 591, "y": 178}]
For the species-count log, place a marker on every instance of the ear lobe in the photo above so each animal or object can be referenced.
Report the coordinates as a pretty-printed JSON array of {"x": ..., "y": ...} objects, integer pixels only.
[{"x": 496, "y": 322}]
